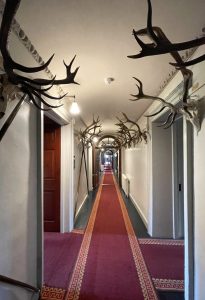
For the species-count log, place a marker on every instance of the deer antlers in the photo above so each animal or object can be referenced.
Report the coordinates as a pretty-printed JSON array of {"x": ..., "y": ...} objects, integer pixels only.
[
  {"x": 190, "y": 110},
  {"x": 31, "y": 87},
  {"x": 93, "y": 130},
  {"x": 160, "y": 45},
  {"x": 129, "y": 132}
]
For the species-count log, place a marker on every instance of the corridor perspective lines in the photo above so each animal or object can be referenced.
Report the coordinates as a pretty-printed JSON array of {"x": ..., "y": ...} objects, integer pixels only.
[{"x": 110, "y": 264}]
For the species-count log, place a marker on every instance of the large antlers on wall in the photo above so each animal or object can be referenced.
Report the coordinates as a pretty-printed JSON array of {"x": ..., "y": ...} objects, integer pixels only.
[
  {"x": 130, "y": 133},
  {"x": 160, "y": 45},
  {"x": 190, "y": 110},
  {"x": 31, "y": 87}
]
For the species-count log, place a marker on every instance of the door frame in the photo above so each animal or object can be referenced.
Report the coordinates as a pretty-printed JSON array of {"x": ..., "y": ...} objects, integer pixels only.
[
  {"x": 176, "y": 179},
  {"x": 188, "y": 204},
  {"x": 66, "y": 182}
]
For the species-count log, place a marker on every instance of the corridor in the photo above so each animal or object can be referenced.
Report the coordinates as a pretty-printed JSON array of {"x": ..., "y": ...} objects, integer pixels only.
[{"x": 102, "y": 126}]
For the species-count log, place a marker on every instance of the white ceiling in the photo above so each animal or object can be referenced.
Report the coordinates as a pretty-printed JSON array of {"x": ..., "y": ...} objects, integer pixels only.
[{"x": 100, "y": 33}]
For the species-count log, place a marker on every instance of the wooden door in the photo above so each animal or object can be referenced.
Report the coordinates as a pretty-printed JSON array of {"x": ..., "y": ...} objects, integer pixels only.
[
  {"x": 52, "y": 135},
  {"x": 96, "y": 167}
]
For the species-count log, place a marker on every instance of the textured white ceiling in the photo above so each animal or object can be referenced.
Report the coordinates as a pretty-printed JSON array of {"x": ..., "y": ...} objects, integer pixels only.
[{"x": 99, "y": 32}]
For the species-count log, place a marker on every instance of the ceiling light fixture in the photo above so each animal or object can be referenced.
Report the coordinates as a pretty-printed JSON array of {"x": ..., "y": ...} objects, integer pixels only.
[
  {"x": 109, "y": 80},
  {"x": 74, "y": 108}
]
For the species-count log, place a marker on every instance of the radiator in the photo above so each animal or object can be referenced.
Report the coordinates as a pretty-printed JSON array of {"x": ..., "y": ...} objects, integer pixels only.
[{"x": 125, "y": 184}]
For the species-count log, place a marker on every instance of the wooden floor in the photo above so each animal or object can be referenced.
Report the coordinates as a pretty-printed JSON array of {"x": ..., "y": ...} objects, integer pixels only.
[{"x": 137, "y": 224}]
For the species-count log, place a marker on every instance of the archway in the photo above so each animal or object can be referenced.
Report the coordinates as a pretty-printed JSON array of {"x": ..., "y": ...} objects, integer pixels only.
[{"x": 106, "y": 151}]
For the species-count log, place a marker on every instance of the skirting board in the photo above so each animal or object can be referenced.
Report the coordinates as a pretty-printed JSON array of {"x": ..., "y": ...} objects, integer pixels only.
[
  {"x": 86, "y": 196},
  {"x": 139, "y": 210}
]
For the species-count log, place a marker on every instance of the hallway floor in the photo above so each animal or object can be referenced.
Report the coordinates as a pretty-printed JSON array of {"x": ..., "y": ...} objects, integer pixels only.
[
  {"x": 105, "y": 231},
  {"x": 138, "y": 226}
]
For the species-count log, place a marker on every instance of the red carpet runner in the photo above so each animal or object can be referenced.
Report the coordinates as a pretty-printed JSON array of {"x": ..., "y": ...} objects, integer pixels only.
[{"x": 110, "y": 264}]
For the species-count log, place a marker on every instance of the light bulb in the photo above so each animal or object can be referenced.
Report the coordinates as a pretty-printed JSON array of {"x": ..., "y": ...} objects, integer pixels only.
[
  {"x": 74, "y": 109},
  {"x": 95, "y": 139}
]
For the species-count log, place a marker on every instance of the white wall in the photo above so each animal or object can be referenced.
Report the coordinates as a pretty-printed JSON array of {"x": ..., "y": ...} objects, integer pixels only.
[
  {"x": 67, "y": 179},
  {"x": 132, "y": 167},
  {"x": 18, "y": 205},
  {"x": 135, "y": 168}
]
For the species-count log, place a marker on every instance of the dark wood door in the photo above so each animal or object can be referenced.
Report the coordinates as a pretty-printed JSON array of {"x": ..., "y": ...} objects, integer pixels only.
[
  {"x": 96, "y": 167},
  {"x": 52, "y": 134}
]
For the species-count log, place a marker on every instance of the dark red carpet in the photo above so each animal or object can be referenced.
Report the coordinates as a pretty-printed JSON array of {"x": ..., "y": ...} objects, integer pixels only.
[
  {"x": 110, "y": 264},
  {"x": 60, "y": 254},
  {"x": 165, "y": 261}
]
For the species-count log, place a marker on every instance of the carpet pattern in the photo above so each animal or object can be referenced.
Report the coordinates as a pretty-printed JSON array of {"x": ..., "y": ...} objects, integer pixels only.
[
  {"x": 110, "y": 264},
  {"x": 49, "y": 293},
  {"x": 60, "y": 254},
  {"x": 165, "y": 261}
]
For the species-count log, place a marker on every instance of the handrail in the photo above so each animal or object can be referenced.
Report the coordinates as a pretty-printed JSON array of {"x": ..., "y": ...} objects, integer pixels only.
[{"x": 19, "y": 284}]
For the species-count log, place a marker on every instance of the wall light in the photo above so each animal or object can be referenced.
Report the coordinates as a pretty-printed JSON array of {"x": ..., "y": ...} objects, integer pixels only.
[{"x": 74, "y": 109}]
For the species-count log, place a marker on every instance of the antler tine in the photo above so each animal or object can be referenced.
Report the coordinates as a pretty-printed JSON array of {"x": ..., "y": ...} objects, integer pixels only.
[
  {"x": 10, "y": 9},
  {"x": 189, "y": 63},
  {"x": 149, "y": 23},
  {"x": 43, "y": 101},
  {"x": 140, "y": 94},
  {"x": 160, "y": 46},
  {"x": 30, "y": 86},
  {"x": 156, "y": 113},
  {"x": 33, "y": 100},
  {"x": 70, "y": 76},
  {"x": 169, "y": 121}
]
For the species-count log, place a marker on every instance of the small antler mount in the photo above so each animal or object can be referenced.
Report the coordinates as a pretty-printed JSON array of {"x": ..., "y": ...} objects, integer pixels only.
[
  {"x": 129, "y": 133},
  {"x": 94, "y": 130}
]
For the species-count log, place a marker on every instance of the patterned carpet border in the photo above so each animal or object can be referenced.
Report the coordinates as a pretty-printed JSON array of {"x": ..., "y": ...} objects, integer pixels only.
[
  {"x": 50, "y": 293},
  {"x": 165, "y": 242},
  {"x": 146, "y": 283},
  {"x": 169, "y": 284},
  {"x": 79, "y": 269}
]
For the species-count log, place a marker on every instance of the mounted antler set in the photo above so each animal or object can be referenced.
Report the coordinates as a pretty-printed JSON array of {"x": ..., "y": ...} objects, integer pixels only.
[
  {"x": 190, "y": 110},
  {"x": 160, "y": 44},
  {"x": 129, "y": 133},
  {"x": 87, "y": 135},
  {"x": 36, "y": 89}
]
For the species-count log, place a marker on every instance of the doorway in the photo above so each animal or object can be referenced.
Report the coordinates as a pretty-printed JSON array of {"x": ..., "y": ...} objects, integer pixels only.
[
  {"x": 178, "y": 180},
  {"x": 96, "y": 167},
  {"x": 52, "y": 162},
  {"x": 167, "y": 181}
]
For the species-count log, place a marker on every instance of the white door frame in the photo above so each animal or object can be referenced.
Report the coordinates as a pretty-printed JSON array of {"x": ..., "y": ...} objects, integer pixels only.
[{"x": 188, "y": 207}]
